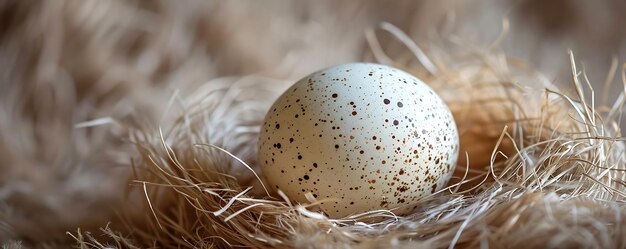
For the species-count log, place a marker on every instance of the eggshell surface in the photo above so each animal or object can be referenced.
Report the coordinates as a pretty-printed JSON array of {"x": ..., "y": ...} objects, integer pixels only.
[{"x": 361, "y": 137}]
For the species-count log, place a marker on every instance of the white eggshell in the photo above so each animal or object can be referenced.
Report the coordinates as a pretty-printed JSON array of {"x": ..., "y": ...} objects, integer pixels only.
[{"x": 363, "y": 136}]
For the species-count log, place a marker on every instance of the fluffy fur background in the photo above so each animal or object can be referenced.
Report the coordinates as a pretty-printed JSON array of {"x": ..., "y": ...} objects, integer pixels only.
[{"x": 79, "y": 80}]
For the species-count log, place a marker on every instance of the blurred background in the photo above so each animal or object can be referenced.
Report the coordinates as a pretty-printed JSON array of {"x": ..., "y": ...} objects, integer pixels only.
[{"x": 66, "y": 62}]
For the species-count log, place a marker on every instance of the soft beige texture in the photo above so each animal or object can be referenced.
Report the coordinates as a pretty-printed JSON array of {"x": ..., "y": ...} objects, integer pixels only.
[{"x": 92, "y": 92}]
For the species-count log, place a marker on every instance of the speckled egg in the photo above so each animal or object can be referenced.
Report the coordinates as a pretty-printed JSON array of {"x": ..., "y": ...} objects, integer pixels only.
[{"x": 360, "y": 136}]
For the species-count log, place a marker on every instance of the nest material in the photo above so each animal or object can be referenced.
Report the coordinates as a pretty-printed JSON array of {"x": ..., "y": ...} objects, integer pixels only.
[{"x": 543, "y": 168}]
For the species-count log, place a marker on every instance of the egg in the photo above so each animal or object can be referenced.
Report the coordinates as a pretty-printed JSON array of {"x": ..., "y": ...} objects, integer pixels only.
[{"x": 359, "y": 137}]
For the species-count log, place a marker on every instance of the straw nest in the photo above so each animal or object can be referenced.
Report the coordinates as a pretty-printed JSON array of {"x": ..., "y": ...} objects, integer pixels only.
[
  {"x": 542, "y": 167},
  {"x": 539, "y": 167}
]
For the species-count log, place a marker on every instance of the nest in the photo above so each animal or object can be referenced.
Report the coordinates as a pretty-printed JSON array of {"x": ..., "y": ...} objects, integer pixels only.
[{"x": 539, "y": 167}]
